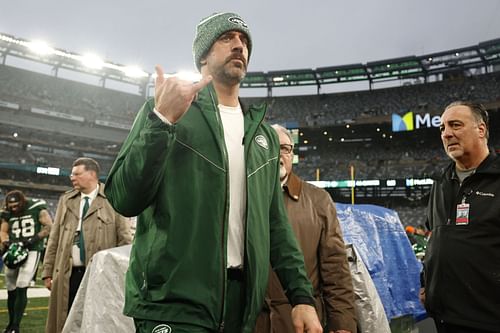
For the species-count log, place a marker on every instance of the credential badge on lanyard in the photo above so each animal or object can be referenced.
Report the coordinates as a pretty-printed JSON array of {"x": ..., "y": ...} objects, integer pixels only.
[{"x": 462, "y": 213}]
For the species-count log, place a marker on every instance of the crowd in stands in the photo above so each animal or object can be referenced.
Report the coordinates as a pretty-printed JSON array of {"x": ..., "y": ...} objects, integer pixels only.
[
  {"x": 414, "y": 215},
  {"x": 44, "y": 148},
  {"x": 30, "y": 89},
  {"x": 339, "y": 108},
  {"x": 393, "y": 159},
  {"x": 374, "y": 160}
]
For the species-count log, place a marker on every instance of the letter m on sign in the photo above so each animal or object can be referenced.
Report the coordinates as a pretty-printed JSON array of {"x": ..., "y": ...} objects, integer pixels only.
[{"x": 404, "y": 123}]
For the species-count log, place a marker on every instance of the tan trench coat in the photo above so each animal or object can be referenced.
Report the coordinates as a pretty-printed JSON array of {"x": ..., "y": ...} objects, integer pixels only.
[
  {"x": 313, "y": 217},
  {"x": 103, "y": 229}
]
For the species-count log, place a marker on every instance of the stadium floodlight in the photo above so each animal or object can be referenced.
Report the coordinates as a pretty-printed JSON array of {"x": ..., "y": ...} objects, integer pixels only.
[
  {"x": 92, "y": 61},
  {"x": 40, "y": 47},
  {"x": 134, "y": 71},
  {"x": 9, "y": 39},
  {"x": 278, "y": 79}
]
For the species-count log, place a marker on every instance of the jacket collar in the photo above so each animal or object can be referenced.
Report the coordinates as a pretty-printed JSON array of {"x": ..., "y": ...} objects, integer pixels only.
[
  {"x": 490, "y": 165},
  {"x": 254, "y": 114},
  {"x": 74, "y": 203},
  {"x": 73, "y": 193},
  {"x": 207, "y": 100},
  {"x": 293, "y": 187}
]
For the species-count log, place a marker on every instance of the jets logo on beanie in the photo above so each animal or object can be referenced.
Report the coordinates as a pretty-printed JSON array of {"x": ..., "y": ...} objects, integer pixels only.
[{"x": 211, "y": 28}]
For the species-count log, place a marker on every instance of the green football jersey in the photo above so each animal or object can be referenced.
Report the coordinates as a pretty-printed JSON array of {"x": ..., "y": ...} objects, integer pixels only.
[{"x": 25, "y": 224}]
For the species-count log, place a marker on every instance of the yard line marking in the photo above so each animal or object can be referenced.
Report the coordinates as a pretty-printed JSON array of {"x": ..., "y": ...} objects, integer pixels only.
[{"x": 37, "y": 308}]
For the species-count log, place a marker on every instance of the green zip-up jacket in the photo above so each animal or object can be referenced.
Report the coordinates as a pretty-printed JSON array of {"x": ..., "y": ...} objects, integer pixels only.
[{"x": 175, "y": 178}]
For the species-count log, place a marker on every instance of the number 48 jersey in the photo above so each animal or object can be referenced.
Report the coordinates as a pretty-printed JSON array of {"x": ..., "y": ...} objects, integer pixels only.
[{"x": 25, "y": 225}]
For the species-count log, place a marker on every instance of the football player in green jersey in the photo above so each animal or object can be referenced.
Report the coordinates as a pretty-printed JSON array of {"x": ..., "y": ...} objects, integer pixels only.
[{"x": 24, "y": 224}]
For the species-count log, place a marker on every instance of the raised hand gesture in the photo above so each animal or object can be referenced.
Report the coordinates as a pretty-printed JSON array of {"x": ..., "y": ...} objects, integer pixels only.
[{"x": 173, "y": 96}]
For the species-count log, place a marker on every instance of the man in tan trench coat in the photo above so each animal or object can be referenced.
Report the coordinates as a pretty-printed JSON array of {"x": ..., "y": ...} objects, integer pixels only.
[
  {"x": 85, "y": 223},
  {"x": 313, "y": 217}
]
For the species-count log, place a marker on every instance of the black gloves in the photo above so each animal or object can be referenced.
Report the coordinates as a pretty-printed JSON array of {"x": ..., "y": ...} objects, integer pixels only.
[
  {"x": 4, "y": 246},
  {"x": 31, "y": 241}
]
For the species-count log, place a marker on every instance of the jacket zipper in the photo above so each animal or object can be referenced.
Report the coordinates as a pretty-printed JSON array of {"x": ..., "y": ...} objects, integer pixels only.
[
  {"x": 224, "y": 150},
  {"x": 247, "y": 157},
  {"x": 224, "y": 254},
  {"x": 453, "y": 205}
]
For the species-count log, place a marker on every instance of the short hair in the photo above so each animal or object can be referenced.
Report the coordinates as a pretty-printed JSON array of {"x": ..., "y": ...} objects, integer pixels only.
[
  {"x": 279, "y": 128},
  {"x": 478, "y": 111},
  {"x": 89, "y": 164}
]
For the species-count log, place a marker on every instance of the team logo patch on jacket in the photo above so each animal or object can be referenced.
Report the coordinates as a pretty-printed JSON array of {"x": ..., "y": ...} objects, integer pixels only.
[
  {"x": 163, "y": 328},
  {"x": 262, "y": 141}
]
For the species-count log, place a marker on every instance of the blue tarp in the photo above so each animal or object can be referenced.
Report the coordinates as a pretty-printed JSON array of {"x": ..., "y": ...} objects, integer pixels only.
[{"x": 381, "y": 241}]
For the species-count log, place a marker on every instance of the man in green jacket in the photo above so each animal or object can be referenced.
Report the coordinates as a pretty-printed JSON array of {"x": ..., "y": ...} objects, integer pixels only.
[{"x": 201, "y": 171}]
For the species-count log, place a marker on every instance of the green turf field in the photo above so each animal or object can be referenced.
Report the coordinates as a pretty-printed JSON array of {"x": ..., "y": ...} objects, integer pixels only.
[{"x": 34, "y": 315}]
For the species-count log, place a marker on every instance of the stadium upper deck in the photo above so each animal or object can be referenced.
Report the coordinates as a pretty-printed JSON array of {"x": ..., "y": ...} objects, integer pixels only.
[{"x": 57, "y": 120}]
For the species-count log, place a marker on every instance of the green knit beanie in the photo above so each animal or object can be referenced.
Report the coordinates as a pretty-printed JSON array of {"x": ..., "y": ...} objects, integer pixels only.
[{"x": 211, "y": 28}]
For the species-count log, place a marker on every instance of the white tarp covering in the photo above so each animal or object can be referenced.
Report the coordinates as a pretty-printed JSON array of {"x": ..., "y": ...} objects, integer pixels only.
[
  {"x": 369, "y": 308},
  {"x": 99, "y": 302}
]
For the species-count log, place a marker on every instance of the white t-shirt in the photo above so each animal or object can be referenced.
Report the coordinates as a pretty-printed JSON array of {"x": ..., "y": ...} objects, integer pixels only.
[{"x": 233, "y": 123}]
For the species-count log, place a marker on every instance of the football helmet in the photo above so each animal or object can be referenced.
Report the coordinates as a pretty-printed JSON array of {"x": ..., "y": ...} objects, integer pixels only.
[{"x": 15, "y": 255}]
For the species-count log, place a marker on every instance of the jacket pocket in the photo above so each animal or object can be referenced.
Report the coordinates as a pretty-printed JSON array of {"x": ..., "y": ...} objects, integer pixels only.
[{"x": 105, "y": 232}]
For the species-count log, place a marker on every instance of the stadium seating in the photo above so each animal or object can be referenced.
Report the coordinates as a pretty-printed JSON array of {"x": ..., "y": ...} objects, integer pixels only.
[{"x": 340, "y": 108}]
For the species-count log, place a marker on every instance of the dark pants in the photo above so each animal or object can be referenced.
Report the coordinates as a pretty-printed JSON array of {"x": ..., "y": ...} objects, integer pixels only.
[
  {"x": 235, "y": 306},
  {"x": 443, "y": 327},
  {"x": 74, "y": 282}
]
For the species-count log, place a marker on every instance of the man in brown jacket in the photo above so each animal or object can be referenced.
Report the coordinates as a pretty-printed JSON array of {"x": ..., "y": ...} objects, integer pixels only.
[
  {"x": 85, "y": 223},
  {"x": 313, "y": 216}
]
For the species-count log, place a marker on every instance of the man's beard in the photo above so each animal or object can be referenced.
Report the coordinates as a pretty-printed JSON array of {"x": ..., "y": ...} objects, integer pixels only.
[
  {"x": 229, "y": 73},
  {"x": 16, "y": 212}
]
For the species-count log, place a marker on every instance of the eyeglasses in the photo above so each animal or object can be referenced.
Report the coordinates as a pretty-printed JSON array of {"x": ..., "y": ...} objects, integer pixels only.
[
  {"x": 286, "y": 148},
  {"x": 78, "y": 173}
]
